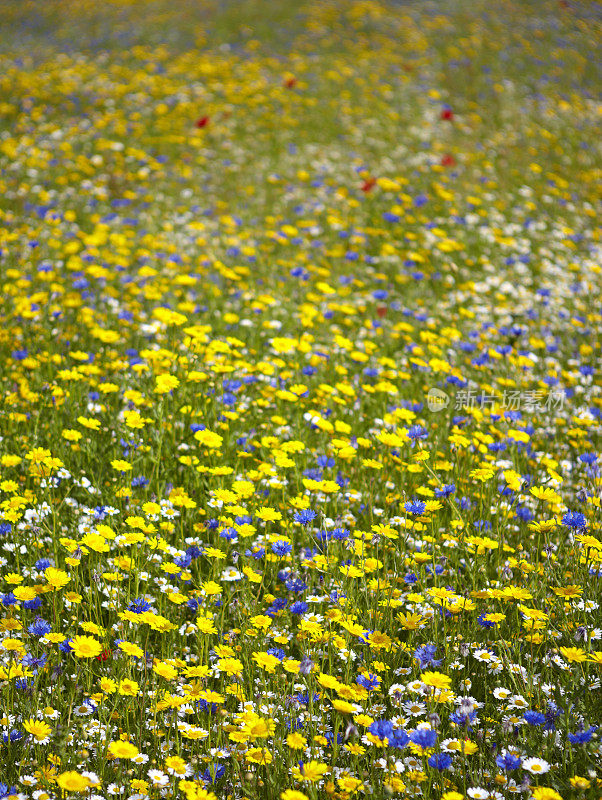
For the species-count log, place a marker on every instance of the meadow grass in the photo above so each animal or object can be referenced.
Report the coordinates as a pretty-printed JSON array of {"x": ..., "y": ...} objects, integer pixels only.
[{"x": 300, "y": 434}]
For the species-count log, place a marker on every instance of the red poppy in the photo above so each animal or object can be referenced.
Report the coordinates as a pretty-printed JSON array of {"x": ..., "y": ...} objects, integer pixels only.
[
  {"x": 447, "y": 113},
  {"x": 290, "y": 82},
  {"x": 448, "y": 161},
  {"x": 381, "y": 311},
  {"x": 202, "y": 122},
  {"x": 368, "y": 184}
]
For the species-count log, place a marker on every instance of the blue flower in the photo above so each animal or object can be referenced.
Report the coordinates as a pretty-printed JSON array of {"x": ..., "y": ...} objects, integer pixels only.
[
  {"x": 295, "y": 585},
  {"x": 445, "y": 491},
  {"x": 34, "y": 662},
  {"x": 415, "y": 507},
  {"x": 213, "y": 773},
  {"x": 425, "y": 655},
  {"x": 574, "y": 519},
  {"x": 139, "y": 605},
  {"x": 417, "y": 432},
  {"x": 508, "y": 761},
  {"x": 534, "y": 717},
  {"x": 440, "y": 761},
  {"x": 582, "y": 737},
  {"x": 281, "y": 548},
  {"x": 299, "y": 607},
  {"x": 400, "y": 739},
  {"x": 463, "y": 720},
  {"x": 382, "y": 729},
  {"x": 40, "y": 627},
  {"x": 424, "y": 737},
  {"x": 368, "y": 681},
  {"x": 305, "y": 516}
]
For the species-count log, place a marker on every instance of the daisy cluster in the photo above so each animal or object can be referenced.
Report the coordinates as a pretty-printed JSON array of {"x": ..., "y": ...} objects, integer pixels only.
[{"x": 300, "y": 468}]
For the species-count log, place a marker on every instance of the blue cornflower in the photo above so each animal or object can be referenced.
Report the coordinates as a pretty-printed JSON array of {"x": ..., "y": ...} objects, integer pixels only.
[
  {"x": 278, "y": 604},
  {"x": 415, "y": 507},
  {"x": 299, "y": 607},
  {"x": 440, "y": 761},
  {"x": 40, "y": 627},
  {"x": 382, "y": 729},
  {"x": 508, "y": 761},
  {"x": 484, "y": 623},
  {"x": 295, "y": 585},
  {"x": 139, "y": 605},
  {"x": 417, "y": 432},
  {"x": 445, "y": 491},
  {"x": 213, "y": 773},
  {"x": 400, "y": 739},
  {"x": 424, "y": 737},
  {"x": 368, "y": 681},
  {"x": 574, "y": 519},
  {"x": 425, "y": 655},
  {"x": 463, "y": 720},
  {"x": 305, "y": 516},
  {"x": 34, "y": 662},
  {"x": 534, "y": 717},
  {"x": 281, "y": 548},
  {"x": 582, "y": 737}
]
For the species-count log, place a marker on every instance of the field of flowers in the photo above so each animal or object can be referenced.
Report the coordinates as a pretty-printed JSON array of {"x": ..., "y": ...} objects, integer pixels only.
[{"x": 300, "y": 334}]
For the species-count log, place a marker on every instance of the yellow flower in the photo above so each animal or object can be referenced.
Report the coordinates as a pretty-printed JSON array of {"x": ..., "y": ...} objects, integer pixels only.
[
  {"x": 131, "y": 649},
  {"x": 167, "y": 671},
  {"x": 165, "y": 383},
  {"x": 39, "y": 730},
  {"x": 231, "y": 666},
  {"x": 311, "y": 771},
  {"x": 436, "y": 680},
  {"x": 259, "y": 755},
  {"x": 296, "y": 741},
  {"x": 120, "y": 465},
  {"x": 71, "y": 781},
  {"x": 344, "y": 707},
  {"x": 122, "y": 749},
  {"x": 211, "y": 588},
  {"x": 293, "y": 794},
  {"x": 545, "y": 793},
  {"x": 209, "y": 439},
  {"x": 574, "y": 654},
  {"x": 56, "y": 577},
  {"x": 176, "y": 765},
  {"x": 128, "y": 688},
  {"x": 85, "y": 647}
]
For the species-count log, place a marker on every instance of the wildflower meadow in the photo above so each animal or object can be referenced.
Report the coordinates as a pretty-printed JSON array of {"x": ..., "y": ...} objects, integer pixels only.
[{"x": 300, "y": 400}]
